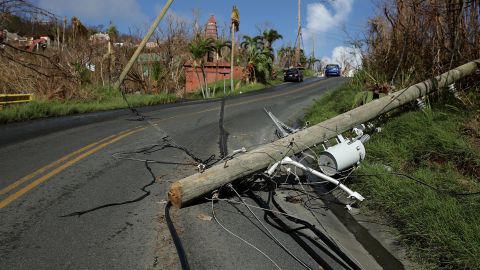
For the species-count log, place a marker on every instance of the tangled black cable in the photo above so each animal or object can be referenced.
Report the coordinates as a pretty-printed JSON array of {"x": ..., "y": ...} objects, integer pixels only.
[
  {"x": 341, "y": 258},
  {"x": 146, "y": 194},
  {"x": 140, "y": 116},
  {"x": 176, "y": 239},
  {"x": 330, "y": 243},
  {"x": 169, "y": 143},
  {"x": 158, "y": 147}
]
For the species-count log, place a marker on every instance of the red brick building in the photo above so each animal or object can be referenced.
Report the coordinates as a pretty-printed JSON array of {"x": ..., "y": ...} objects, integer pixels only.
[
  {"x": 191, "y": 79},
  {"x": 211, "y": 72}
]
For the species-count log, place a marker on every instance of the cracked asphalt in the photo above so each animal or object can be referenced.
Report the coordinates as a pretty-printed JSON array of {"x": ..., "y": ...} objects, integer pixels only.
[{"x": 66, "y": 202}]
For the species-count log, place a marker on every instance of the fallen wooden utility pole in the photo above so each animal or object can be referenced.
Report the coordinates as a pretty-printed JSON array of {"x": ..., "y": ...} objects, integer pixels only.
[
  {"x": 187, "y": 189},
  {"x": 142, "y": 45}
]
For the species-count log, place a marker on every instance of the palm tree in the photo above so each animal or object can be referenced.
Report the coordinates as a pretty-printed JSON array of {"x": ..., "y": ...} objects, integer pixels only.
[
  {"x": 199, "y": 48},
  {"x": 285, "y": 55},
  {"x": 252, "y": 43},
  {"x": 281, "y": 55},
  {"x": 311, "y": 62},
  {"x": 112, "y": 32},
  {"x": 251, "y": 46},
  {"x": 259, "y": 58},
  {"x": 217, "y": 47},
  {"x": 270, "y": 36},
  {"x": 263, "y": 63}
]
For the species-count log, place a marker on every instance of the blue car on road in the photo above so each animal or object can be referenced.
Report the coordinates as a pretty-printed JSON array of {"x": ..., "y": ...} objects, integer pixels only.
[{"x": 332, "y": 70}]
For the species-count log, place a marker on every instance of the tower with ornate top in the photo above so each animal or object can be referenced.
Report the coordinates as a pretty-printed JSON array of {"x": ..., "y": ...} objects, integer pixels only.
[{"x": 211, "y": 32}]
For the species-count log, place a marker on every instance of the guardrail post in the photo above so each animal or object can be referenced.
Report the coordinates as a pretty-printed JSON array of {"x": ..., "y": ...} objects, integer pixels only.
[{"x": 7, "y": 99}]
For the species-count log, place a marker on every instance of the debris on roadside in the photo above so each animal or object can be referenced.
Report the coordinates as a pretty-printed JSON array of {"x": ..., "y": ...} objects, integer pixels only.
[
  {"x": 293, "y": 199},
  {"x": 204, "y": 217}
]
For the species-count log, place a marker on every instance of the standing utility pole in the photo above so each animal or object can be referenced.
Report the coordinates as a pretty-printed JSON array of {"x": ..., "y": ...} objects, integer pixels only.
[
  {"x": 232, "y": 57},
  {"x": 314, "y": 37},
  {"x": 58, "y": 35},
  {"x": 64, "y": 28},
  {"x": 235, "y": 26},
  {"x": 299, "y": 34}
]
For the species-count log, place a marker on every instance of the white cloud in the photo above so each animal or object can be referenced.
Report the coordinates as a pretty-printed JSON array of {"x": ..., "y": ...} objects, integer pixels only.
[
  {"x": 349, "y": 58},
  {"x": 125, "y": 11},
  {"x": 320, "y": 18},
  {"x": 324, "y": 20}
]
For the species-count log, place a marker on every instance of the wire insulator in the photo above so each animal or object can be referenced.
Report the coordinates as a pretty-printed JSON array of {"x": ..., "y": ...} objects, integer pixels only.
[
  {"x": 452, "y": 89},
  {"x": 421, "y": 103},
  {"x": 365, "y": 138}
]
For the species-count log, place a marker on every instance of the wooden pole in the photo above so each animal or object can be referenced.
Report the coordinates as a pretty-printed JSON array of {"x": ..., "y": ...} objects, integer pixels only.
[
  {"x": 140, "y": 47},
  {"x": 299, "y": 30},
  {"x": 314, "y": 37},
  {"x": 224, "y": 92},
  {"x": 232, "y": 59},
  {"x": 187, "y": 189},
  {"x": 64, "y": 29},
  {"x": 58, "y": 36}
]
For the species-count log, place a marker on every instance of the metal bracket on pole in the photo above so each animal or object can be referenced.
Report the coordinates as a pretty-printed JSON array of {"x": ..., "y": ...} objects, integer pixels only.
[
  {"x": 289, "y": 161},
  {"x": 283, "y": 128}
]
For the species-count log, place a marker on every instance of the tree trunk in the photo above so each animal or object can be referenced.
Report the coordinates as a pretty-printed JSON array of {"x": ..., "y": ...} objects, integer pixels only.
[
  {"x": 101, "y": 73},
  {"x": 216, "y": 77},
  {"x": 207, "y": 91}
]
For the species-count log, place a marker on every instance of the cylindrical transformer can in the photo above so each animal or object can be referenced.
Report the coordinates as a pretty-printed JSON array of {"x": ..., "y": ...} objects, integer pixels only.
[{"x": 341, "y": 156}]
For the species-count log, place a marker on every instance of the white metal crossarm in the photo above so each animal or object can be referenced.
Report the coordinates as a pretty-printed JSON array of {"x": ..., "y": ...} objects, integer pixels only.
[{"x": 289, "y": 161}]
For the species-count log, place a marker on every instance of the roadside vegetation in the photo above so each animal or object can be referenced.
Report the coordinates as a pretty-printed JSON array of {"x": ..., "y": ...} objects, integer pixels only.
[
  {"x": 65, "y": 76},
  {"x": 103, "y": 99},
  {"x": 422, "y": 171},
  {"x": 416, "y": 174}
]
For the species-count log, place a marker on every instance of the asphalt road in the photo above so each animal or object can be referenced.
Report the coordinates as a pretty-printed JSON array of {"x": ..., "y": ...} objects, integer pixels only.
[{"x": 69, "y": 200}]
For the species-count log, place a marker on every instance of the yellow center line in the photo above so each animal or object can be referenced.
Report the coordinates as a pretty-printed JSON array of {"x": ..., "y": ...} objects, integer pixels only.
[
  {"x": 53, "y": 164},
  {"x": 100, "y": 145},
  {"x": 61, "y": 168}
]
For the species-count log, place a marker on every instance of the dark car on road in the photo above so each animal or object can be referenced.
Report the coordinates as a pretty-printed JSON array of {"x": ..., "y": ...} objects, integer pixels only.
[
  {"x": 293, "y": 75},
  {"x": 332, "y": 70}
]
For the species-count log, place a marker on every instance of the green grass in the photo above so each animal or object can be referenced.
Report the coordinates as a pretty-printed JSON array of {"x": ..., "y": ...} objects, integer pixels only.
[
  {"x": 433, "y": 146},
  {"x": 107, "y": 99},
  {"x": 332, "y": 103},
  {"x": 103, "y": 99},
  {"x": 309, "y": 73}
]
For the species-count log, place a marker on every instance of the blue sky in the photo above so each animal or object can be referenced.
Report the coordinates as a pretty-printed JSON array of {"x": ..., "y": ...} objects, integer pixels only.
[{"x": 325, "y": 20}]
